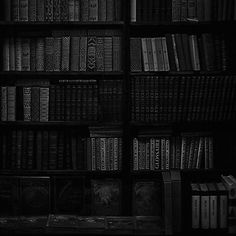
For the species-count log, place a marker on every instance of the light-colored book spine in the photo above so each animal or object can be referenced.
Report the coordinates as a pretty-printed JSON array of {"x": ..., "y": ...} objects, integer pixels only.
[
  {"x": 44, "y": 104},
  {"x": 133, "y": 12},
  {"x": 27, "y": 103}
]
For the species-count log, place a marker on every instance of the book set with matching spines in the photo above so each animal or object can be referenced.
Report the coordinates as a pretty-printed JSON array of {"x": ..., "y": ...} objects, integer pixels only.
[
  {"x": 166, "y": 152},
  {"x": 166, "y": 11},
  {"x": 84, "y": 51},
  {"x": 59, "y": 150},
  {"x": 166, "y": 99},
  {"x": 179, "y": 52},
  {"x": 63, "y": 10},
  {"x": 67, "y": 100}
]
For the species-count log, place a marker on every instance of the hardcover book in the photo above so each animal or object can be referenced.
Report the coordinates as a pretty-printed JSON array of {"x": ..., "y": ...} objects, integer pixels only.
[
  {"x": 147, "y": 197},
  {"x": 34, "y": 195},
  {"x": 69, "y": 195},
  {"x": 106, "y": 197},
  {"x": 8, "y": 196}
]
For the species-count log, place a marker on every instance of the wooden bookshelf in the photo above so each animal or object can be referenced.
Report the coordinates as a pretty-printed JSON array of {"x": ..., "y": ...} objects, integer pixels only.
[{"x": 222, "y": 132}]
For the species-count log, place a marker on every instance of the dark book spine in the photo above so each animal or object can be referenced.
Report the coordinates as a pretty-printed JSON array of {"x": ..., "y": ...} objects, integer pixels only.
[
  {"x": 32, "y": 10},
  {"x": 40, "y": 10},
  {"x": 57, "y": 10},
  {"x": 48, "y": 6},
  {"x": 49, "y": 43},
  {"x": 23, "y": 10},
  {"x": 35, "y": 103}
]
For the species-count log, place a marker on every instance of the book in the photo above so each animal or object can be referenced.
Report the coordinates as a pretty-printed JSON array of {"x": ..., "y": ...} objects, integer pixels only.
[
  {"x": 34, "y": 195},
  {"x": 106, "y": 197},
  {"x": 196, "y": 203},
  {"x": 23, "y": 10},
  {"x": 93, "y": 10},
  {"x": 213, "y": 205},
  {"x": 147, "y": 198},
  {"x": 9, "y": 196},
  {"x": 205, "y": 206},
  {"x": 69, "y": 195}
]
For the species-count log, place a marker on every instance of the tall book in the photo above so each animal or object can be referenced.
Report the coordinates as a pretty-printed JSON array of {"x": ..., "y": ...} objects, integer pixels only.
[
  {"x": 75, "y": 55},
  {"x": 100, "y": 54},
  {"x": 65, "y": 55},
  {"x": 48, "y": 10},
  {"x": 135, "y": 55},
  {"x": 167, "y": 206},
  {"x": 32, "y": 10},
  {"x": 24, "y": 10},
  {"x": 85, "y": 10},
  {"x": 57, "y": 54},
  {"x": 117, "y": 51},
  {"x": 64, "y": 10},
  {"x": 108, "y": 62},
  {"x": 71, "y": 10},
  {"x": 91, "y": 58},
  {"x": 27, "y": 103},
  {"x": 40, "y": 44},
  {"x": 93, "y": 10},
  {"x": 56, "y": 10},
  {"x": 205, "y": 206},
  {"x": 195, "y": 193},
  {"x": 15, "y": 7},
  {"x": 102, "y": 10},
  {"x": 6, "y": 54},
  {"x": 40, "y": 10},
  {"x": 49, "y": 43},
  {"x": 44, "y": 104},
  {"x": 11, "y": 103},
  {"x": 25, "y": 56},
  {"x": 83, "y": 53}
]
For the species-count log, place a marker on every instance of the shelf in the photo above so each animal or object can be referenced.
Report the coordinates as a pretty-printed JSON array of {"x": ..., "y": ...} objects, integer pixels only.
[
  {"x": 59, "y": 123},
  {"x": 202, "y": 125},
  {"x": 60, "y": 173},
  {"x": 110, "y": 24},
  {"x": 184, "y": 23},
  {"x": 60, "y": 74},
  {"x": 183, "y": 73}
]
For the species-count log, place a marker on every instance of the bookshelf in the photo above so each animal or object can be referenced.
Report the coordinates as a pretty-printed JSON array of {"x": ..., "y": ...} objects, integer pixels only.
[{"x": 104, "y": 106}]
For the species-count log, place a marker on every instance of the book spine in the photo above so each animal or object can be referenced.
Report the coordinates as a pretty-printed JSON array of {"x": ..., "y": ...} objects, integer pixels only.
[
  {"x": 15, "y": 10},
  {"x": 84, "y": 10},
  {"x": 56, "y": 10},
  {"x": 44, "y": 104},
  {"x": 32, "y": 10},
  {"x": 108, "y": 54},
  {"x": 83, "y": 53},
  {"x": 71, "y": 10},
  {"x": 57, "y": 54},
  {"x": 77, "y": 10},
  {"x": 27, "y": 103},
  {"x": 100, "y": 54},
  {"x": 116, "y": 54},
  {"x": 135, "y": 55},
  {"x": 6, "y": 54},
  {"x": 110, "y": 10},
  {"x": 133, "y": 11},
  {"x": 25, "y": 43},
  {"x": 40, "y": 10},
  {"x": 102, "y": 10},
  {"x": 195, "y": 211},
  {"x": 93, "y": 10},
  {"x": 91, "y": 62},
  {"x": 48, "y": 6},
  {"x": 65, "y": 63},
  {"x": 11, "y": 103},
  {"x": 64, "y": 10},
  {"x": 49, "y": 42},
  {"x": 75, "y": 48},
  {"x": 145, "y": 54},
  {"x": 116, "y": 153},
  {"x": 3, "y": 104},
  {"x": 23, "y": 10},
  {"x": 40, "y": 54},
  {"x": 32, "y": 54},
  {"x": 35, "y": 103}
]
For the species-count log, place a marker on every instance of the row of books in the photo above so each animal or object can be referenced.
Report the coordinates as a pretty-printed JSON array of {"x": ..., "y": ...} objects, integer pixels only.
[
  {"x": 63, "y": 10},
  {"x": 179, "y": 52},
  {"x": 79, "y": 101},
  {"x": 73, "y": 197},
  {"x": 161, "y": 11},
  {"x": 75, "y": 223},
  {"x": 66, "y": 53},
  {"x": 183, "y": 98},
  {"x": 164, "y": 153},
  {"x": 213, "y": 204},
  {"x": 58, "y": 150}
]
